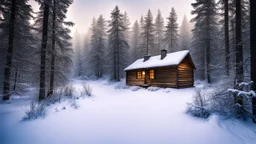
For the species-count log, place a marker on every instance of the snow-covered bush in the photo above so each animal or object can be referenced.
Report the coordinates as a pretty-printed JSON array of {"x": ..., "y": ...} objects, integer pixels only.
[
  {"x": 73, "y": 103},
  {"x": 67, "y": 91},
  {"x": 34, "y": 111},
  {"x": 135, "y": 88},
  {"x": 153, "y": 89},
  {"x": 87, "y": 90},
  {"x": 198, "y": 107},
  {"x": 235, "y": 102}
]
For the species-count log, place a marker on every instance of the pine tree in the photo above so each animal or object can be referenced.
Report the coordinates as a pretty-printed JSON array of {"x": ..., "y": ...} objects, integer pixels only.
[
  {"x": 225, "y": 22},
  {"x": 148, "y": 33},
  {"x": 98, "y": 46},
  {"x": 60, "y": 41},
  {"x": 16, "y": 36},
  {"x": 58, "y": 52},
  {"x": 253, "y": 52},
  {"x": 142, "y": 41},
  {"x": 78, "y": 54},
  {"x": 8, "y": 65},
  {"x": 239, "y": 46},
  {"x": 135, "y": 52},
  {"x": 118, "y": 45},
  {"x": 127, "y": 23},
  {"x": 204, "y": 36},
  {"x": 159, "y": 32},
  {"x": 171, "y": 33},
  {"x": 184, "y": 34},
  {"x": 45, "y": 5}
]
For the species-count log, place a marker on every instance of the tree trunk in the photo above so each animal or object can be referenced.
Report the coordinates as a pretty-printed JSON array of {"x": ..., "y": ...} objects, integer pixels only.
[
  {"x": 43, "y": 50},
  {"x": 208, "y": 50},
  {"x": 227, "y": 51},
  {"x": 239, "y": 47},
  {"x": 253, "y": 53},
  {"x": 8, "y": 64},
  {"x": 15, "y": 79},
  {"x": 50, "y": 93}
]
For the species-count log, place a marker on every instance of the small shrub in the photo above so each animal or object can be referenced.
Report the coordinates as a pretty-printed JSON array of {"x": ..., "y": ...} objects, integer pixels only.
[
  {"x": 198, "y": 106},
  {"x": 68, "y": 91},
  {"x": 74, "y": 104},
  {"x": 198, "y": 112},
  {"x": 87, "y": 90},
  {"x": 36, "y": 110}
]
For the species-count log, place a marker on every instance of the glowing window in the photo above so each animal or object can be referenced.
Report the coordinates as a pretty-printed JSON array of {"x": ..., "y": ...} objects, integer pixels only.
[
  {"x": 152, "y": 74},
  {"x": 141, "y": 74}
]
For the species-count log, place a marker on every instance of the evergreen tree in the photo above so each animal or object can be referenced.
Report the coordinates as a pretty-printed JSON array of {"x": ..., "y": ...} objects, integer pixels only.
[
  {"x": 45, "y": 6},
  {"x": 184, "y": 34},
  {"x": 16, "y": 37},
  {"x": 239, "y": 46},
  {"x": 148, "y": 34},
  {"x": 60, "y": 42},
  {"x": 98, "y": 46},
  {"x": 127, "y": 23},
  {"x": 159, "y": 32},
  {"x": 171, "y": 33},
  {"x": 58, "y": 52},
  {"x": 253, "y": 52},
  {"x": 142, "y": 42},
  {"x": 135, "y": 52},
  {"x": 118, "y": 45},
  {"x": 204, "y": 36},
  {"x": 78, "y": 54}
]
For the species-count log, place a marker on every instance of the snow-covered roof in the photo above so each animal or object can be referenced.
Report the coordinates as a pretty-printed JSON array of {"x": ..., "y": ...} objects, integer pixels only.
[{"x": 155, "y": 61}]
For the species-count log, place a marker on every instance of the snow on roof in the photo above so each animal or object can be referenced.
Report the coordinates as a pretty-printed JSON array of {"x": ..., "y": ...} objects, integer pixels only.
[{"x": 155, "y": 61}]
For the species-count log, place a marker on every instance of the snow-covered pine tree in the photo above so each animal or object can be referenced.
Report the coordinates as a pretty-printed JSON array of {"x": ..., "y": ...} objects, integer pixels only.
[
  {"x": 86, "y": 54},
  {"x": 142, "y": 41},
  {"x": 17, "y": 41},
  {"x": 204, "y": 36},
  {"x": 61, "y": 51},
  {"x": 45, "y": 8},
  {"x": 127, "y": 24},
  {"x": 253, "y": 52},
  {"x": 135, "y": 43},
  {"x": 245, "y": 35},
  {"x": 98, "y": 47},
  {"x": 78, "y": 54},
  {"x": 147, "y": 34},
  {"x": 225, "y": 22},
  {"x": 184, "y": 35},
  {"x": 118, "y": 45},
  {"x": 171, "y": 32},
  {"x": 159, "y": 33}
]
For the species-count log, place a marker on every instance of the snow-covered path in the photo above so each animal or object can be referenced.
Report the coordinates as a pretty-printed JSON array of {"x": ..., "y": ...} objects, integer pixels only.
[{"x": 123, "y": 116}]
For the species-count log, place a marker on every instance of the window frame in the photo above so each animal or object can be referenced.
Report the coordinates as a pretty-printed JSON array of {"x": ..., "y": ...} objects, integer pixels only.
[
  {"x": 150, "y": 74},
  {"x": 139, "y": 74}
]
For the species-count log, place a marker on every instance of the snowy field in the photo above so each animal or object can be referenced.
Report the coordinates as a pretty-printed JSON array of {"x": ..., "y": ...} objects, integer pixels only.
[{"x": 121, "y": 116}]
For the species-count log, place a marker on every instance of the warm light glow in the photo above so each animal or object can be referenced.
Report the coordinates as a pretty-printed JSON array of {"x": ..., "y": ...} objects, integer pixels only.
[
  {"x": 143, "y": 72},
  {"x": 152, "y": 74}
]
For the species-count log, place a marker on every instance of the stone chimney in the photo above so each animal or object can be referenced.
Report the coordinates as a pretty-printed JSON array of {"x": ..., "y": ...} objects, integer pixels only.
[
  {"x": 146, "y": 57},
  {"x": 163, "y": 53}
]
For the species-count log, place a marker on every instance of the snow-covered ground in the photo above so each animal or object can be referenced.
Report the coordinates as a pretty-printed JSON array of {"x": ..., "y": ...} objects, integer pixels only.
[{"x": 122, "y": 116}]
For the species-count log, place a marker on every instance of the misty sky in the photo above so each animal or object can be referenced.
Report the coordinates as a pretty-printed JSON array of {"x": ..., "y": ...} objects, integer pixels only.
[{"x": 81, "y": 12}]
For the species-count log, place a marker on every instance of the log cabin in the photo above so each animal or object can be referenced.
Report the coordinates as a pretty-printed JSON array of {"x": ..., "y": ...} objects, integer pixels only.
[{"x": 173, "y": 70}]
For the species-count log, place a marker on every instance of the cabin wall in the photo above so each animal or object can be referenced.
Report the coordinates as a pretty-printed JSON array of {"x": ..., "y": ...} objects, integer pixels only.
[
  {"x": 164, "y": 77},
  {"x": 185, "y": 74},
  {"x": 131, "y": 78}
]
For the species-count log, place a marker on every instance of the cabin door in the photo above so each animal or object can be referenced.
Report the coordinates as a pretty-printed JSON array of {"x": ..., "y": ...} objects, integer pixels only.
[{"x": 146, "y": 77}]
